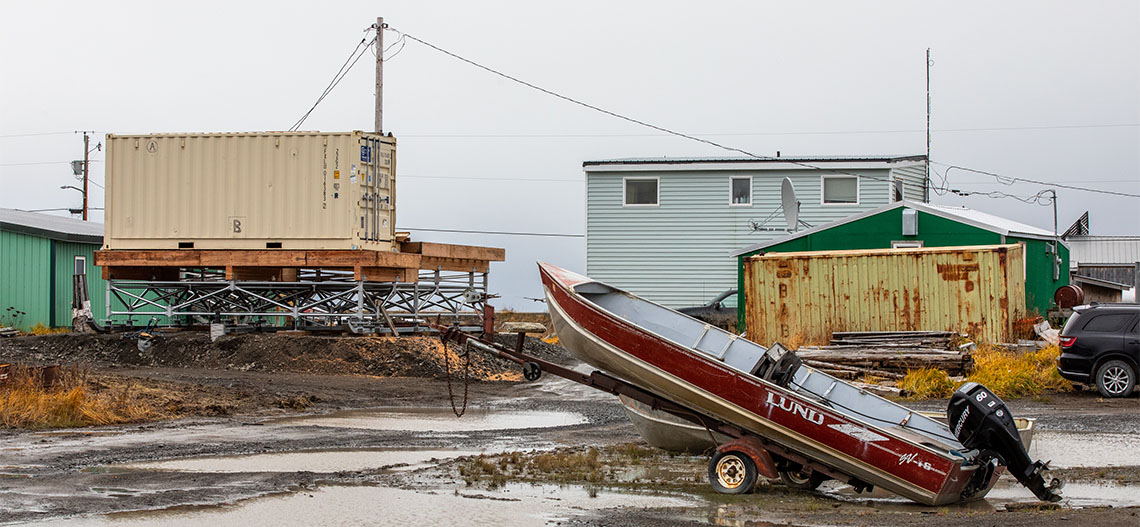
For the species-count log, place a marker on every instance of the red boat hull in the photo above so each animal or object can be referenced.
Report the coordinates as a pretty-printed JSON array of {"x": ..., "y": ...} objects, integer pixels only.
[{"x": 696, "y": 381}]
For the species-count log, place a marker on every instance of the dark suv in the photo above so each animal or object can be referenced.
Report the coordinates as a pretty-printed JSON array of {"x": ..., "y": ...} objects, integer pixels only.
[{"x": 1100, "y": 345}]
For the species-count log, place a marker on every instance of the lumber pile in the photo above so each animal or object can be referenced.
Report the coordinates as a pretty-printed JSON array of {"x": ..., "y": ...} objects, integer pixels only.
[{"x": 887, "y": 354}]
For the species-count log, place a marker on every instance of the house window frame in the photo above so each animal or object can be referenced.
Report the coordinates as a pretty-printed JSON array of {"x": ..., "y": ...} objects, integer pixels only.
[
  {"x": 625, "y": 185},
  {"x": 907, "y": 244},
  {"x": 751, "y": 191},
  {"x": 823, "y": 191},
  {"x": 75, "y": 265}
]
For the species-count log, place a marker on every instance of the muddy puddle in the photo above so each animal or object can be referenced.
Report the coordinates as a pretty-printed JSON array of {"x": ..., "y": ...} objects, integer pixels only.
[
  {"x": 1007, "y": 491},
  {"x": 1075, "y": 449},
  {"x": 510, "y": 506},
  {"x": 311, "y": 461},
  {"x": 437, "y": 420}
]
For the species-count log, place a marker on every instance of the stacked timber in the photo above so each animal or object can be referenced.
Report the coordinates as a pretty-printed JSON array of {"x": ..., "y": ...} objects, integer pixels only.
[{"x": 886, "y": 354}]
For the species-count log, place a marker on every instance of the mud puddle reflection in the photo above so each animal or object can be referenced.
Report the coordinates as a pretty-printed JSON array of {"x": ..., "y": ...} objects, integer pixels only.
[
  {"x": 1076, "y": 449},
  {"x": 513, "y": 505},
  {"x": 437, "y": 420},
  {"x": 310, "y": 461}
]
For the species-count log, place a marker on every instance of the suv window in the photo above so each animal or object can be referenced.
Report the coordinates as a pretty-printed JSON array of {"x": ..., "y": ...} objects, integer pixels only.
[{"x": 1108, "y": 323}]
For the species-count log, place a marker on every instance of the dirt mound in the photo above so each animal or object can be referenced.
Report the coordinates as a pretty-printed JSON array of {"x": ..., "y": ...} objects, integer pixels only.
[{"x": 418, "y": 356}]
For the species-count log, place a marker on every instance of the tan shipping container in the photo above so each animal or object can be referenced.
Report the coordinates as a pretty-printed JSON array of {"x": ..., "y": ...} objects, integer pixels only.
[
  {"x": 268, "y": 190},
  {"x": 801, "y": 298}
]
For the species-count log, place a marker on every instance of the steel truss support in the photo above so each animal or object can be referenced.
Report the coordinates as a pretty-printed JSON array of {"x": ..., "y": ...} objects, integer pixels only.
[{"x": 319, "y": 300}]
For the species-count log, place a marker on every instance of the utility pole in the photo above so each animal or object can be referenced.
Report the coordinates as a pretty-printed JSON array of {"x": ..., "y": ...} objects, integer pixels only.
[
  {"x": 926, "y": 190},
  {"x": 86, "y": 158},
  {"x": 379, "y": 75}
]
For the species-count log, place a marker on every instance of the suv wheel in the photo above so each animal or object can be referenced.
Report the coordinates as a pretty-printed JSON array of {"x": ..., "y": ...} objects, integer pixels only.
[{"x": 1115, "y": 378}]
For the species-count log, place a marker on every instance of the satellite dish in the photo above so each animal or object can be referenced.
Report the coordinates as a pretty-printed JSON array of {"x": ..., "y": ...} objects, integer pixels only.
[{"x": 790, "y": 205}]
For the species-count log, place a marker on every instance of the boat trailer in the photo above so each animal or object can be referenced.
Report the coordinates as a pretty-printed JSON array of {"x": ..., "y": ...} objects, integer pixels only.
[{"x": 978, "y": 417}]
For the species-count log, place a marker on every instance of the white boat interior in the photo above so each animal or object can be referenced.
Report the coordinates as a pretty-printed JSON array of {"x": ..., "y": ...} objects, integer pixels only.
[{"x": 773, "y": 365}]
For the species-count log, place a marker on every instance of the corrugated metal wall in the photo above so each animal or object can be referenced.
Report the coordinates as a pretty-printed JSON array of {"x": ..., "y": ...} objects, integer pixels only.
[
  {"x": 303, "y": 190},
  {"x": 801, "y": 298},
  {"x": 25, "y": 285},
  {"x": 678, "y": 253}
]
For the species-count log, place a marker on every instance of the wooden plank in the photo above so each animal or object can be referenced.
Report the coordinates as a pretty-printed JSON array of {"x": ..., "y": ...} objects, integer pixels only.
[
  {"x": 253, "y": 274},
  {"x": 384, "y": 274},
  {"x": 445, "y": 250},
  {"x": 252, "y": 258},
  {"x": 173, "y": 258},
  {"x": 430, "y": 263},
  {"x": 339, "y": 258},
  {"x": 392, "y": 259}
]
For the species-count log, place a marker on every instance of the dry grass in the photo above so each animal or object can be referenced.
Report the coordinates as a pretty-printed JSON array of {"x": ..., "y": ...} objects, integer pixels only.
[
  {"x": 1017, "y": 374},
  {"x": 26, "y": 403},
  {"x": 927, "y": 383},
  {"x": 40, "y": 329},
  {"x": 1009, "y": 374}
]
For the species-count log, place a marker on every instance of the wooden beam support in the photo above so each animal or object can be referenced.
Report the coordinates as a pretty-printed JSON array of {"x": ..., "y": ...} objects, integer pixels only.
[
  {"x": 385, "y": 274},
  {"x": 446, "y": 250},
  {"x": 430, "y": 263}
]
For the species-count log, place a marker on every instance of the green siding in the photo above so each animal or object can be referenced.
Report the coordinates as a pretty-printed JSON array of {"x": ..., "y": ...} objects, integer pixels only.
[
  {"x": 1039, "y": 282},
  {"x": 65, "y": 253},
  {"x": 25, "y": 285},
  {"x": 879, "y": 230}
]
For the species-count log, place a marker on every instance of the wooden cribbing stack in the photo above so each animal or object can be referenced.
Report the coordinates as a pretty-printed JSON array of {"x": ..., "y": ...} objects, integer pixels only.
[{"x": 887, "y": 354}]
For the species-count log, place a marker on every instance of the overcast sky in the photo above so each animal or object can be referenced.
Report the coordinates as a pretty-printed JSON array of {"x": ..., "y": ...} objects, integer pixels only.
[{"x": 1047, "y": 91}]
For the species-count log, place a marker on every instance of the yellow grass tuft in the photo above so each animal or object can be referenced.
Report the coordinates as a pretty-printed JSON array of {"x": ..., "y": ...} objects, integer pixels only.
[
  {"x": 1009, "y": 374},
  {"x": 553, "y": 339},
  {"x": 1017, "y": 374},
  {"x": 40, "y": 329},
  {"x": 26, "y": 403},
  {"x": 927, "y": 383}
]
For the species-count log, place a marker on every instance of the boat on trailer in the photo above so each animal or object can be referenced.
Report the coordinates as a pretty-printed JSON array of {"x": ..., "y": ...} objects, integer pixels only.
[{"x": 794, "y": 421}]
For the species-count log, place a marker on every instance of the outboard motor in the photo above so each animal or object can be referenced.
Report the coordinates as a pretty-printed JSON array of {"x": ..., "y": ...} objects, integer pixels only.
[{"x": 981, "y": 421}]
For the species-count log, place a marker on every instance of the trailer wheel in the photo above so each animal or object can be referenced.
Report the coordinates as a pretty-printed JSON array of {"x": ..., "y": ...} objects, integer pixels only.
[
  {"x": 798, "y": 479},
  {"x": 732, "y": 472}
]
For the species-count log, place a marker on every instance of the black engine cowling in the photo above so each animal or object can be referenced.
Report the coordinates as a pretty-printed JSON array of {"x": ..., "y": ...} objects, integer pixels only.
[{"x": 981, "y": 421}]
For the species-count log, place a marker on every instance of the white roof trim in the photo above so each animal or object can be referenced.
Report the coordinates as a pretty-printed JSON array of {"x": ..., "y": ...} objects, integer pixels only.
[
  {"x": 738, "y": 166},
  {"x": 943, "y": 212}
]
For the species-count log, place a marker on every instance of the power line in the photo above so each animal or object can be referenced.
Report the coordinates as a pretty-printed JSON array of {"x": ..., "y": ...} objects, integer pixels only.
[
  {"x": 505, "y": 233},
  {"x": 56, "y": 209},
  {"x": 35, "y": 134},
  {"x": 491, "y": 178},
  {"x": 351, "y": 61},
  {"x": 752, "y": 134},
  {"x": 1012, "y": 179},
  {"x": 43, "y": 163},
  {"x": 627, "y": 118}
]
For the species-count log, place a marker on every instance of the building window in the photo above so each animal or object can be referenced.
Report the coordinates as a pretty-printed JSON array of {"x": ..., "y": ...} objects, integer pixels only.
[
  {"x": 641, "y": 191},
  {"x": 80, "y": 265},
  {"x": 906, "y": 244},
  {"x": 840, "y": 190},
  {"x": 740, "y": 190}
]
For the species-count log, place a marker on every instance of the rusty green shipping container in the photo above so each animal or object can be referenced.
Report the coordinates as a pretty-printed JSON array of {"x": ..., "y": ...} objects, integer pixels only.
[{"x": 800, "y": 298}]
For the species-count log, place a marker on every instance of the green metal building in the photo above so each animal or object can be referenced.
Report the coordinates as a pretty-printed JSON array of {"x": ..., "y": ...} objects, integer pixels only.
[
  {"x": 39, "y": 255},
  {"x": 912, "y": 224}
]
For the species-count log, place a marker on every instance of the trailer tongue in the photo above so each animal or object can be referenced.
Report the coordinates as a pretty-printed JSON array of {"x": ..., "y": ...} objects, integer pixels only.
[{"x": 783, "y": 419}]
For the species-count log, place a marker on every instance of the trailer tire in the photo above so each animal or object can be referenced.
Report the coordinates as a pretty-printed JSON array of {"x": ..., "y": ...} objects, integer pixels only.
[
  {"x": 798, "y": 480},
  {"x": 732, "y": 472}
]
